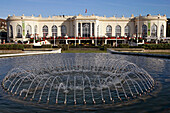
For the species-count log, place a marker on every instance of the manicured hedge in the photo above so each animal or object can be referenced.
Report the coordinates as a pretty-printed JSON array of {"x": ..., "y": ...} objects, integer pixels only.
[
  {"x": 64, "y": 46},
  {"x": 157, "y": 46},
  {"x": 105, "y": 47},
  {"x": 11, "y": 47},
  {"x": 123, "y": 46},
  {"x": 81, "y": 46},
  {"x": 28, "y": 46},
  {"x": 139, "y": 46},
  {"x": 46, "y": 46}
]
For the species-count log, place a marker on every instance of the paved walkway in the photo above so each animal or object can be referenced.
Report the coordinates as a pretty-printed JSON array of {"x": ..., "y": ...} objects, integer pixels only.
[
  {"x": 138, "y": 54},
  {"x": 31, "y": 53}
]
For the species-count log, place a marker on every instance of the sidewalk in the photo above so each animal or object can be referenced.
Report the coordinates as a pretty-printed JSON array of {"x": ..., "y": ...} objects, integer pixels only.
[{"x": 31, "y": 53}]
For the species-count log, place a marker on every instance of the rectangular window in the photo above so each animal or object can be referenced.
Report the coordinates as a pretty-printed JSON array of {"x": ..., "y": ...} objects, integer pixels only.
[
  {"x": 92, "y": 29},
  {"x": 79, "y": 29}
]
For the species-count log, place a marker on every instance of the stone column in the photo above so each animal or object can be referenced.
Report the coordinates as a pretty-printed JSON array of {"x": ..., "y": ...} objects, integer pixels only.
[
  {"x": 105, "y": 41},
  {"x": 79, "y": 41},
  {"x": 92, "y": 41},
  {"x": 165, "y": 29},
  {"x": 23, "y": 29},
  {"x": 95, "y": 29},
  {"x": 158, "y": 29},
  {"x": 49, "y": 31},
  {"x": 122, "y": 30},
  {"x": 66, "y": 41},
  {"x": 71, "y": 29},
  {"x": 76, "y": 29},
  {"x": 95, "y": 33},
  {"x": 59, "y": 31},
  {"x": 14, "y": 33},
  {"x": 90, "y": 29}
]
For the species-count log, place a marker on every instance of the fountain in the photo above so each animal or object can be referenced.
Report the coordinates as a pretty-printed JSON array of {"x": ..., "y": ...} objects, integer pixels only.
[{"x": 78, "y": 81}]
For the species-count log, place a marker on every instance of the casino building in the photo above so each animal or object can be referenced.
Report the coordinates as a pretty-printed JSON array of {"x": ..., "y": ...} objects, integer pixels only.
[{"x": 85, "y": 29}]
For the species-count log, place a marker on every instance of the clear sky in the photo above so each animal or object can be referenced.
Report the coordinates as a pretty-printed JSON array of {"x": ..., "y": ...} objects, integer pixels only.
[{"x": 74, "y": 7}]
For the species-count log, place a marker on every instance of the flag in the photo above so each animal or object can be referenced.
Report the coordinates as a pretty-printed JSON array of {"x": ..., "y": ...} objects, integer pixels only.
[{"x": 86, "y": 11}]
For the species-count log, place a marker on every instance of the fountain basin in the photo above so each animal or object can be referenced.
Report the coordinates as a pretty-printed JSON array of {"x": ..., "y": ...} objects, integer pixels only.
[{"x": 79, "y": 81}]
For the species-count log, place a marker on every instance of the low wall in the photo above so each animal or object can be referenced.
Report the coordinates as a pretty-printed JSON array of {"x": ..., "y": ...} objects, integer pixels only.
[
  {"x": 138, "y": 50},
  {"x": 128, "y": 49},
  {"x": 39, "y": 49},
  {"x": 165, "y": 51},
  {"x": 84, "y": 49}
]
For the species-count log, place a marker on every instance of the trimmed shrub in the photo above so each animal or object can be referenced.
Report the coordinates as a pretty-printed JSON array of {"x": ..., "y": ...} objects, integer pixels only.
[
  {"x": 11, "y": 47},
  {"x": 47, "y": 46},
  {"x": 81, "y": 46},
  {"x": 139, "y": 46},
  {"x": 123, "y": 46},
  {"x": 104, "y": 47},
  {"x": 157, "y": 46},
  {"x": 28, "y": 46},
  {"x": 64, "y": 46}
]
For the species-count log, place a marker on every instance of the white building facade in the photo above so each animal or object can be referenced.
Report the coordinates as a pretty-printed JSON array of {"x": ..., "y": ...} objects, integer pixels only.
[{"x": 78, "y": 28}]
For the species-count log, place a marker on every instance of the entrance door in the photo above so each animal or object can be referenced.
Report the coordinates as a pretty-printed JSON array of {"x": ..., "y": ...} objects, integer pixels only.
[{"x": 86, "y": 29}]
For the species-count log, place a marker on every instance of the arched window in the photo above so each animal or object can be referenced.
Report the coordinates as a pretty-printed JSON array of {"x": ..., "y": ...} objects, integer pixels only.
[
  {"x": 136, "y": 30},
  {"x": 45, "y": 31},
  {"x": 127, "y": 31},
  {"x": 162, "y": 31},
  {"x": 109, "y": 31},
  {"x": 35, "y": 29},
  {"x": 73, "y": 29},
  {"x": 86, "y": 29},
  {"x": 19, "y": 31},
  {"x": 63, "y": 30},
  {"x": 10, "y": 31},
  {"x": 118, "y": 30},
  {"x": 54, "y": 30},
  {"x": 28, "y": 29},
  {"x": 144, "y": 31},
  {"x": 79, "y": 29},
  {"x": 154, "y": 31}
]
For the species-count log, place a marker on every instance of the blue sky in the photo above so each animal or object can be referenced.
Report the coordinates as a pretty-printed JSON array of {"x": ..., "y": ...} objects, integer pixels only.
[{"x": 74, "y": 7}]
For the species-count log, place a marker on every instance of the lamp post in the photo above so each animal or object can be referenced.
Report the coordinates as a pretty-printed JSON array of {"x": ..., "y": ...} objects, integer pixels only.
[
  {"x": 138, "y": 30},
  {"x": 116, "y": 33},
  {"x": 95, "y": 41},
  {"x": 54, "y": 39},
  {"x": 75, "y": 41},
  {"x": 116, "y": 40},
  {"x": 34, "y": 38},
  {"x": 157, "y": 30}
]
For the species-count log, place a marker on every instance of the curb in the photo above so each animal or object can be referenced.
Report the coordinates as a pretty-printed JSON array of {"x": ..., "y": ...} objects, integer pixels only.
[{"x": 138, "y": 54}]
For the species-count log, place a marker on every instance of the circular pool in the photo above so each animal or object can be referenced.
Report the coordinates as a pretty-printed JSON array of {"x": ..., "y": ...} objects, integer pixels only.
[
  {"x": 87, "y": 80},
  {"x": 83, "y": 82}
]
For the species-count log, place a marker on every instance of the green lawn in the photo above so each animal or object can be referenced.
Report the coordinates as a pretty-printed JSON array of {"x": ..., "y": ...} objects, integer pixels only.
[
  {"x": 6, "y": 53},
  {"x": 84, "y": 51},
  {"x": 162, "y": 53}
]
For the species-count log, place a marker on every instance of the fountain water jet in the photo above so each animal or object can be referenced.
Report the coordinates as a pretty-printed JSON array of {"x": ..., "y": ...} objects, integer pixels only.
[{"x": 79, "y": 81}]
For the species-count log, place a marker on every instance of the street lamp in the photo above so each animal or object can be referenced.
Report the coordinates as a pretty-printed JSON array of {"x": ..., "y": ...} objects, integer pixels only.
[
  {"x": 54, "y": 39},
  {"x": 75, "y": 41},
  {"x": 138, "y": 30},
  {"x": 34, "y": 38},
  {"x": 96, "y": 41},
  {"x": 116, "y": 40},
  {"x": 157, "y": 30}
]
